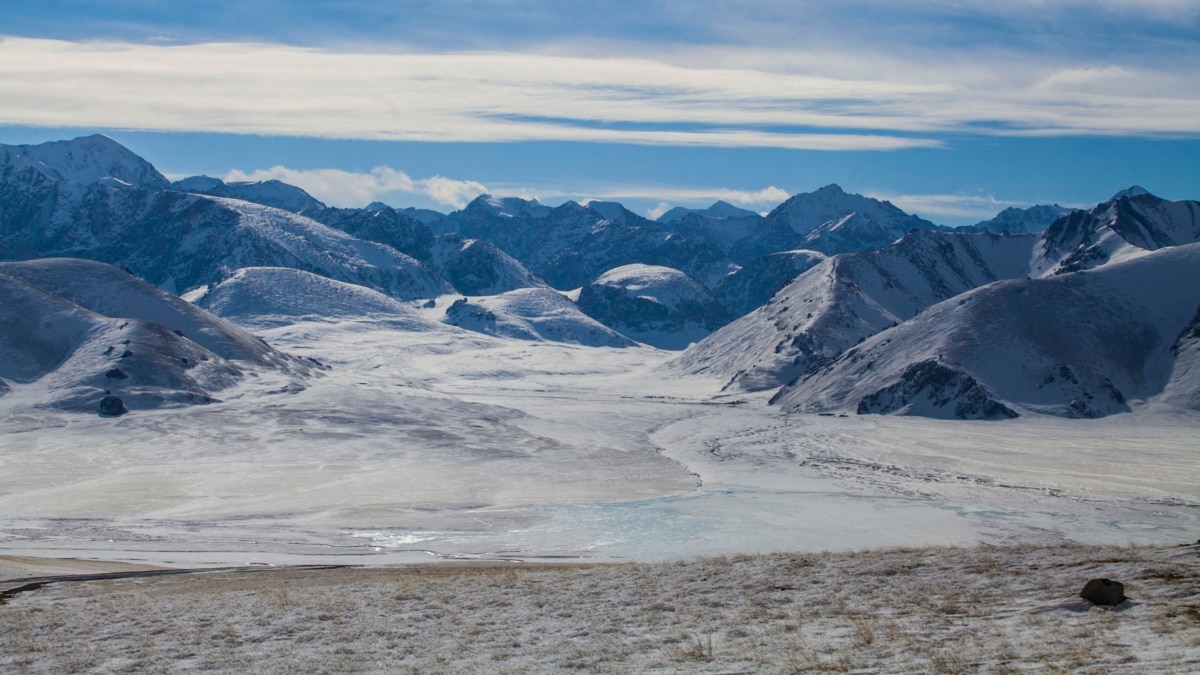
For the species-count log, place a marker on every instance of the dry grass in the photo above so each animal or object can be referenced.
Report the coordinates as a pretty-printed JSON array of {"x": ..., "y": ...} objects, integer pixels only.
[{"x": 934, "y": 610}]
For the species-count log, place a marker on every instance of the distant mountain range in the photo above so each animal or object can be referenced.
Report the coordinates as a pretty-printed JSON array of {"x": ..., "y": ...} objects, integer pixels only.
[{"x": 838, "y": 301}]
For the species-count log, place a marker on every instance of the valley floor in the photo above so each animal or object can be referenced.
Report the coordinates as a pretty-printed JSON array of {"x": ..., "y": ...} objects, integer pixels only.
[
  {"x": 418, "y": 446},
  {"x": 935, "y": 609}
]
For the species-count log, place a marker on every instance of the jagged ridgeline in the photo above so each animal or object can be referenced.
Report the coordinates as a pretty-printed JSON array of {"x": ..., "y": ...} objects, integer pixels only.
[{"x": 834, "y": 301}]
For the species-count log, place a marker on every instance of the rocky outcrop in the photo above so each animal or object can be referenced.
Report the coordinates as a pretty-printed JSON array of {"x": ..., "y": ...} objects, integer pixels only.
[{"x": 936, "y": 391}]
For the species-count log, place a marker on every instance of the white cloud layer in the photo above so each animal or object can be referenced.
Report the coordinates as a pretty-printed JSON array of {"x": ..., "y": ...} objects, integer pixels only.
[
  {"x": 349, "y": 189},
  {"x": 959, "y": 206},
  {"x": 717, "y": 97}
]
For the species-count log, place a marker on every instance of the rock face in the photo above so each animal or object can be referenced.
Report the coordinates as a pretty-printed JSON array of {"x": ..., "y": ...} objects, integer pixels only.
[
  {"x": 1103, "y": 592},
  {"x": 658, "y": 306},
  {"x": 933, "y": 390}
]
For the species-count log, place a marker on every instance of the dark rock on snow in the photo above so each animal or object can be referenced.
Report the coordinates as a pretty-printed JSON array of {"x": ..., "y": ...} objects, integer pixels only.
[
  {"x": 1103, "y": 592},
  {"x": 112, "y": 406}
]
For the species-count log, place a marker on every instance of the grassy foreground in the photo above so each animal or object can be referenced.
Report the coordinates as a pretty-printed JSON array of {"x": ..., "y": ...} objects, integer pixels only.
[{"x": 922, "y": 610}]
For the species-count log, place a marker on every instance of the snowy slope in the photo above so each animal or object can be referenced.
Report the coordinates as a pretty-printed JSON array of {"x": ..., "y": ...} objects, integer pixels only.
[
  {"x": 57, "y": 353},
  {"x": 656, "y": 305},
  {"x": 90, "y": 159},
  {"x": 1023, "y": 221},
  {"x": 850, "y": 297},
  {"x": 1183, "y": 389},
  {"x": 1075, "y": 345},
  {"x": 1131, "y": 223},
  {"x": 270, "y": 296},
  {"x": 537, "y": 313},
  {"x": 112, "y": 292}
]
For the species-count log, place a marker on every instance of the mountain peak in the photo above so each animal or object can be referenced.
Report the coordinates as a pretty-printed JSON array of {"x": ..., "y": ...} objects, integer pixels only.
[
  {"x": 87, "y": 160},
  {"x": 1131, "y": 191}
]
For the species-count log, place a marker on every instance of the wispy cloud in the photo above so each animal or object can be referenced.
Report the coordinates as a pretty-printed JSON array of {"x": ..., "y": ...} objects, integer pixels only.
[
  {"x": 956, "y": 206},
  {"x": 707, "y": 97},
  {"x": 350, "y": 189}
]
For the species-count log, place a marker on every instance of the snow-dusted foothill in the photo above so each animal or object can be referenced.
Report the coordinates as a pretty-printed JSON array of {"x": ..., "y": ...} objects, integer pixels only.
[
  {"x": 84, "y": 336},
  {"x": 536, "y": 313},
  {"x": 847, "y": 298},
  {"x": 655, "y": 305},
  {"x": 1086, "y": 344},
  {"x": 273, "y": 296}
]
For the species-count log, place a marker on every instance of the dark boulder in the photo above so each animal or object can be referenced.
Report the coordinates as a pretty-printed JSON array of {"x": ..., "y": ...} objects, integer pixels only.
[
  {"x": 115, "y": 374},
  {"x": 112, "y": 406},
  {"x": 1103, "y": 592}
]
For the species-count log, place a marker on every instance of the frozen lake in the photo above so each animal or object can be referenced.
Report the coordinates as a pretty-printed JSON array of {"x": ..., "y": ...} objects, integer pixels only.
[{"x": 448, "y": 444}]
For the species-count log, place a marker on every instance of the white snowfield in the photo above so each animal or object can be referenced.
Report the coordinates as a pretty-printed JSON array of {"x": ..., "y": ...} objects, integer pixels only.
[{"x": 446, "y": 443}]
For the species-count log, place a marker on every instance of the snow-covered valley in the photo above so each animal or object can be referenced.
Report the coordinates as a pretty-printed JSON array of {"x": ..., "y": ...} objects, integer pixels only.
[{"x": 416, "y": 445}]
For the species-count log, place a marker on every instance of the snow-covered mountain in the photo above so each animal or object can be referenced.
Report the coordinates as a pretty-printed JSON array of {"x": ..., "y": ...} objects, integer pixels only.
[
  {"x": 849, "y": 297},
  {"x": 176, "y": 240},
  {"x": 1075, "y": 345},
  {"x": 755, "y": 283},
  {"x": 1034, "y": 219},
  {"x": 532, "y": 314},
  {"x": 476, "y": 267},
  {"x": 90, "y": 159},
  {"x": 85, "y": 336},
  {"x": 571, "y": 244},
  {"x": 833, "y": 221},
  {"x": 268, "y": 193},
  {"x": 720, "y": 210},
  {"x": 270, "y": 296},
  {"x": 1130, "y": 224},
  {"x": 656, "y": 305}
]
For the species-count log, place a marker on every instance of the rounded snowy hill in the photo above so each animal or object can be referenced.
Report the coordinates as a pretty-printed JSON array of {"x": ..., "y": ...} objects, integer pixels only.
[
  {"x": 273, "y": 296},
  {"x": 659, "y": 306},
  {"x": 60, "y": 347},
  {"x": 533, "y": 314},
  {"x": 113, "y": 292},
  {"x": 1075, "y": 345}
]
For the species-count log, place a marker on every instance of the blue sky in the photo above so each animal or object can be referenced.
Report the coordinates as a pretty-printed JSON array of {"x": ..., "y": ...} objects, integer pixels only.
[{"x": 953, "y": 110}]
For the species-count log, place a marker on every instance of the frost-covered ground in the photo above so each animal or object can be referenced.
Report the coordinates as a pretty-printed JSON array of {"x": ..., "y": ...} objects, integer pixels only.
[
  {"x": 943, "y": 610},
  {"x": 445, "y": 442}
]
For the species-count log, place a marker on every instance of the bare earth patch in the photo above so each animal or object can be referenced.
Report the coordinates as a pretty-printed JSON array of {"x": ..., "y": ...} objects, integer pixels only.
[{"x": 934, "y": 610}]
